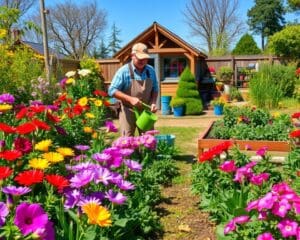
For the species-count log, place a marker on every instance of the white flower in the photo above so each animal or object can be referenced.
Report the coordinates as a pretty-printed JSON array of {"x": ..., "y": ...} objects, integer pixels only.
[
  {"x": 84, "y": 72},
  {"x": 70, "y": 74}
]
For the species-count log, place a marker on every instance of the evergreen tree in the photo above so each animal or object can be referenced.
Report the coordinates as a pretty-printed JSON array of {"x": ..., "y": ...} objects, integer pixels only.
[
  {"x": 266, "y": 18},
  {"x": 246, "y": 46},
  {"x": 114, "y": 41},
  {"x": 187, "y": 89},
  {"x": 102, "y": 51}
]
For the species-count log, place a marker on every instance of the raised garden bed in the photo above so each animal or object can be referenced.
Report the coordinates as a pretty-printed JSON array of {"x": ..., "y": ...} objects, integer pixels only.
[{"x": 204, "y": 143}]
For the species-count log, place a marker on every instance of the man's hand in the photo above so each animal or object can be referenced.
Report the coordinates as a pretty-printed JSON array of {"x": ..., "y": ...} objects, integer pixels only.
[
  {"x": 153, "y": 108},
  {"x": 134, "y": 101}
]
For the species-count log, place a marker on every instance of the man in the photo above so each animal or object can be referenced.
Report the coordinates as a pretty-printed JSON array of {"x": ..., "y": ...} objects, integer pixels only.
[{"x": 133, "y": 84}]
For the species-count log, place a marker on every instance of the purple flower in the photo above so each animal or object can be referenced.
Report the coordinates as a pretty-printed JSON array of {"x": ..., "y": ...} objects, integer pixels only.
[
  {"x": 60, "y": 130},
  {"x": 133, "y": 165},
  {"x": 101, "y": 157},
  {"x": 80, "y": 157},
  {"x": 30, "y": 217},
  {"x": 288, "y": 227},
  {"x": 81, "y": 179},
  {"x": 265, "y": 236},
  {"x": 228, "y": 166},
  {"x": 125, "y": 152},
  {"x": 110, "y": 126},
  {"x": 7, "y": 98},
  {"x": 46, "y": 233},
  {"x": 3, "y": 213},
  {"x": 259, "y": 179},
  {"x": 82, "y": 147},
  {"x": 125, "y": 185},
  {"x": 103, "y": 175},
  {"x": 72, "y": 198},
  {"x": 115, "y": 197},
  {"x": 16, "y": 191}
]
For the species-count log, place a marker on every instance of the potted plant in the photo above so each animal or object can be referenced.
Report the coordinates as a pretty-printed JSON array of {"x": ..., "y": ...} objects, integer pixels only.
[
  {"x": 218, "y": 104},
  {"x": 225, "y": 74},
  {"x": 178, "y": 105},
  {"x": 219, "y": 86}
]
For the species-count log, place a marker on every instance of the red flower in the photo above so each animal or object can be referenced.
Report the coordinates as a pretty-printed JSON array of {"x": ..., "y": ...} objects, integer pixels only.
[
  {"x": 23, "y": 145},
  {"x": 41, "y": 125},
  {"x": 5, "y": 172},
  {"x": 29, "y": 177},
  {"x": 10, "y": 155},
  {"x": 26, "y": 128},
  {"x": 106, "y": 103},
  {"x": 57, "y": 181},
  {"x": 298, "y": 72},
  {"x": 6, "y": 128},
  {"x": 37, "y": 108},
  {"x": 98, "y": 92},
  {"x": 22, "y": 113},
  {"x": 295, "y": 134},
  {"x": 53, "y": 118},
  {"x": 296, "y": 115}
]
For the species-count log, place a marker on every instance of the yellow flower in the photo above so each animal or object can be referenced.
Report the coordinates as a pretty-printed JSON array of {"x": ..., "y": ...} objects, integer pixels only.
[
  {"x": 5, "y": 107},
  {"x": 87, "y": 129},
  {"x": 83, "y": 101},
  {"x": 70, "y": 81},
  {"x": 53, "y": 157},
  {"x": 90, "y": 115},
  {"x": 97, "y": 214},
  {"x": 98, "y": 103},
  {"x": 276, "y": 114},
  {"x": 66, "y": 152},
  {"x": 3, "y": 33},
  {"x": 39, "y": 163},
  {"x": 43, "y": 145},
  {"x": 95, "y": 135}
]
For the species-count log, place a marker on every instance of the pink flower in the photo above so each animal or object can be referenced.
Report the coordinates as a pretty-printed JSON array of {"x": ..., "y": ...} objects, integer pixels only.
[
  {"x": 229, "y": 227},
  {"x": 288, "y": 227},
  {"x": 281, "y": 208},
  {"x": 252, "y": 205},
  {"x": 228, "y": 166},
  {"x": 266, "y": 202},
  {"x": 259, "y": 179},
  {"x": 262, "y": 151},
  {"x": 265, "y": 236}
]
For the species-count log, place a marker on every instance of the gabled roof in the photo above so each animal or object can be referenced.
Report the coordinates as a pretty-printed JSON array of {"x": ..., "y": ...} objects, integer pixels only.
[
  {"x": 39, "y": 48},
  {"x": 160, "y": 39}
]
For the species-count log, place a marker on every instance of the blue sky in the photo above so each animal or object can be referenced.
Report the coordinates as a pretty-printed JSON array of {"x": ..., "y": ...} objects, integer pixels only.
[{"x": 134, "y": 16}]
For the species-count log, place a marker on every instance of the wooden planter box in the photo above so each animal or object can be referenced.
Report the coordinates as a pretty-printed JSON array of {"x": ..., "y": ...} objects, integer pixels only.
[{"x": 204, "y": 143}]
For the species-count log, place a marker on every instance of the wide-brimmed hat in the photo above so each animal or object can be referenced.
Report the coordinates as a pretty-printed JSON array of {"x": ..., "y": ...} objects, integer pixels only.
[{"x": 140, "y": 50}]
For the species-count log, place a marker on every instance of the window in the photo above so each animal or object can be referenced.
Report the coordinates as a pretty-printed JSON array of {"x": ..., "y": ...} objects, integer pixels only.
[{"x": 173, "y": 66}]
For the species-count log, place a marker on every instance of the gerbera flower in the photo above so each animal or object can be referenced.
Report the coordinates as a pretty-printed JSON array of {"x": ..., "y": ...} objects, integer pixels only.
[
  {"x": 30, "y": 217},
  {"x": 7, "y": 98},
  {"x": 39, "y": 163},
  {"x": 81, "y": 179},
  {"x": 16, "y": 191},
  {"x": 3, "y": 213},
  {"x": 66, "y": 152},
  {"x": 53, "y": 157},
  {"x": 97, "y": 214},
  {"x": 23, "y": 145},
  {"x": 101, "y": 93},
  {"x": 5, "y": 107},
  {"x": 10, "y": 155},
  {"x": 98, "y": 103},
  {"x": 41, "y": 125},
  {"x": 57, "y": 181},
  {"x": 29, "y": 177},
  {"x": 5, "y": 172},
  {"x": 6, "y": 128},
  {"x": 295, "y": 134},
  {"x": 90, "y": 115},
  {"x": 87, "y": 129},
  {"x": 43, "y": 145},
  {"x": 83, "y": 101},
  {"x": 26, "y": 128},
  {"x": 110, "y": 126}
]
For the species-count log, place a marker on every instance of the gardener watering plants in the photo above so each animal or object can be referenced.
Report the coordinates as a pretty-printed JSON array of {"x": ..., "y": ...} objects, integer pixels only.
[{"x": 135, "y": 85}]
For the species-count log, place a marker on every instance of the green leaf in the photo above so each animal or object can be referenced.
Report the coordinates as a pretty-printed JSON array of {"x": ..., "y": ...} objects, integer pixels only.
[
  {"x": 121, "y": 222},
  {"x": 90, "y": 233}
]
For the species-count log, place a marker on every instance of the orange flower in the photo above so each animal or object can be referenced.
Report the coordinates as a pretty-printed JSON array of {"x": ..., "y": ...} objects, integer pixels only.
[{"x": 97, "y": 214}]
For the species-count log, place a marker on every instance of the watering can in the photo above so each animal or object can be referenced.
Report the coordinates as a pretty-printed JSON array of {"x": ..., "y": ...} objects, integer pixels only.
[{"x": 145, "y": 120}]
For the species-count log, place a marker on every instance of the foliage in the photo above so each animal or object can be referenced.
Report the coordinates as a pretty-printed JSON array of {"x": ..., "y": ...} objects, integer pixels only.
[
  {"x": 187, "y": 89},
  {"x": 114, "y": 41},
  {"x": 270, "y": 84},
  {"x": 225, "y": 74},
  {"x": 246, "y": 46},
  {"x": 247, "y": 123},
  {"x": 286, "y": 43},
  {"x": 235, "y": 94},
  {"x": 294, "y": 5},
  {"x": 266, "y": 18},
  {"x": 176, "y": 102},
  {"x": 218, "y": 102}
]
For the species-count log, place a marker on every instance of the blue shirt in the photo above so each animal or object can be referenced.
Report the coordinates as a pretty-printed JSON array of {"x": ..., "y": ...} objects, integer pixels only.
[{"x": 121, "y": 81}]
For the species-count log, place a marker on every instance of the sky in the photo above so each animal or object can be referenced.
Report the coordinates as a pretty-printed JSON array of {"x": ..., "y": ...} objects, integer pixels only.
[{"x": 132, "y": 17}]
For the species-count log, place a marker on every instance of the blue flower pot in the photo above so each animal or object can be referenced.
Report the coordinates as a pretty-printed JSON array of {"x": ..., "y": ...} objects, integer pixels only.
[
  {"x": 218, "y": 109},
  {"x": 178, "y": 111},
  {"x": 165, "y": 105}
]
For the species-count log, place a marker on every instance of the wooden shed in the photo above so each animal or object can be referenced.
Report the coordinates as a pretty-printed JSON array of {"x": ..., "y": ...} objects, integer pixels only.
[{"x": 169, "y": 56}]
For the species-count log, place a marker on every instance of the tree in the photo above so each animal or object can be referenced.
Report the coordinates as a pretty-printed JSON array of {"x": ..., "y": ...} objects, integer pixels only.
[
  {"x": 286, "y": 43},
  {"x": 215, "y": 21},
  {"x": 102, "y": 51},
  {"x": 294, "y": 5},
  {"x": 266, "y": 18},
  {"x": 246, "y": 46},
  {"x": 114, "y": 41},
  {"x": 75, "y": 28}
]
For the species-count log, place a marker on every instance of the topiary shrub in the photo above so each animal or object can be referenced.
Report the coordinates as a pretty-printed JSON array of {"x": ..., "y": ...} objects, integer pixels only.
[
  {"x": 187, "y": 89},
  {"x": 246, "y": 46}
]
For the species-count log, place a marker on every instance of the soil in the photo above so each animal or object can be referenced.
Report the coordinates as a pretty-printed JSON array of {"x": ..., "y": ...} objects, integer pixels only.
[{"x": 179, "y": 211}]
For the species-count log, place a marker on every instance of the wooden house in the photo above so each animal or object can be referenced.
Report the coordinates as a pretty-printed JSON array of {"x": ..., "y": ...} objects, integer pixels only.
[{"x": 169, "y": 56}]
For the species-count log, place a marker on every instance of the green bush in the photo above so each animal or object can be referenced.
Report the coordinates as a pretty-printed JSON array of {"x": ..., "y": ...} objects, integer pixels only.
[
  {"x": 193, "y": 107},
  {"x": 246, "y": 46}
]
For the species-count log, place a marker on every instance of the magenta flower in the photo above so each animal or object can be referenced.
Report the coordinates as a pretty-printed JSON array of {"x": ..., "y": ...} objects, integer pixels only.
[
  {"x": 229, "y": 227},
  {"x": 30, "y": 217},
  {"x": 281, "y": 208},
  {"x": 102, "y": 175},
  {"x": 228, "y": 166},
  {"x": 265, "y": 236},
  {"x": 262, "y": 215},
  {"x": 259, "y": 179},
  {"x": 7, "y": 98},
  {"x": 133, "y": 165},
  {"x": 252, "y": 205},
  {"x": 3, "y": 213},
  {"x": 72, "y": 198},
  {"x": 101, "y": 157},
  {"x": 288, "y": 227},
  {"x": 125, "y": 152},
  {"x": 115, "y": 197},
  {"x": 46, "y": 233},
  {"x": 241, "y": 219},
  {"x": 266, "y": 202},
  {"x": 16, "y": 191},
  {"x": 125, "y": 185},
  {"x": 81, "y": 179},
  {"x": 82, "y": 147},
  {"x": 123, "y": 142},
  {"x": 110, "y": 126},
  {"x": 262, "y": 151},
  {"x": 23, "y": 145}
]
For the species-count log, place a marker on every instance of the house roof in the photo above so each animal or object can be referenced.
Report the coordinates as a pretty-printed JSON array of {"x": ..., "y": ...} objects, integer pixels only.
[
  {"x": 39, "y": 48},
  {"x": 160, "y": 39}
]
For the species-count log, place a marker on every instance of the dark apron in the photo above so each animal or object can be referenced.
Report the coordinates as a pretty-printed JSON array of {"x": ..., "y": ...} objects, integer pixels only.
[{"x": 142, "y": 89}]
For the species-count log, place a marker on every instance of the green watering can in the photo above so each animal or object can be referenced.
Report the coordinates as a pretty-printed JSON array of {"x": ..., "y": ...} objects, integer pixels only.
[{"x": 145, "y": 121}]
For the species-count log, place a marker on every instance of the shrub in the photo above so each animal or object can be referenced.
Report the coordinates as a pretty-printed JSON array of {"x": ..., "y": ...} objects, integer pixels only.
[
  {"x": 246, "y": 46},
  {"x": 176, "y": 102},
  {"x": 224, "y": 74}
]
